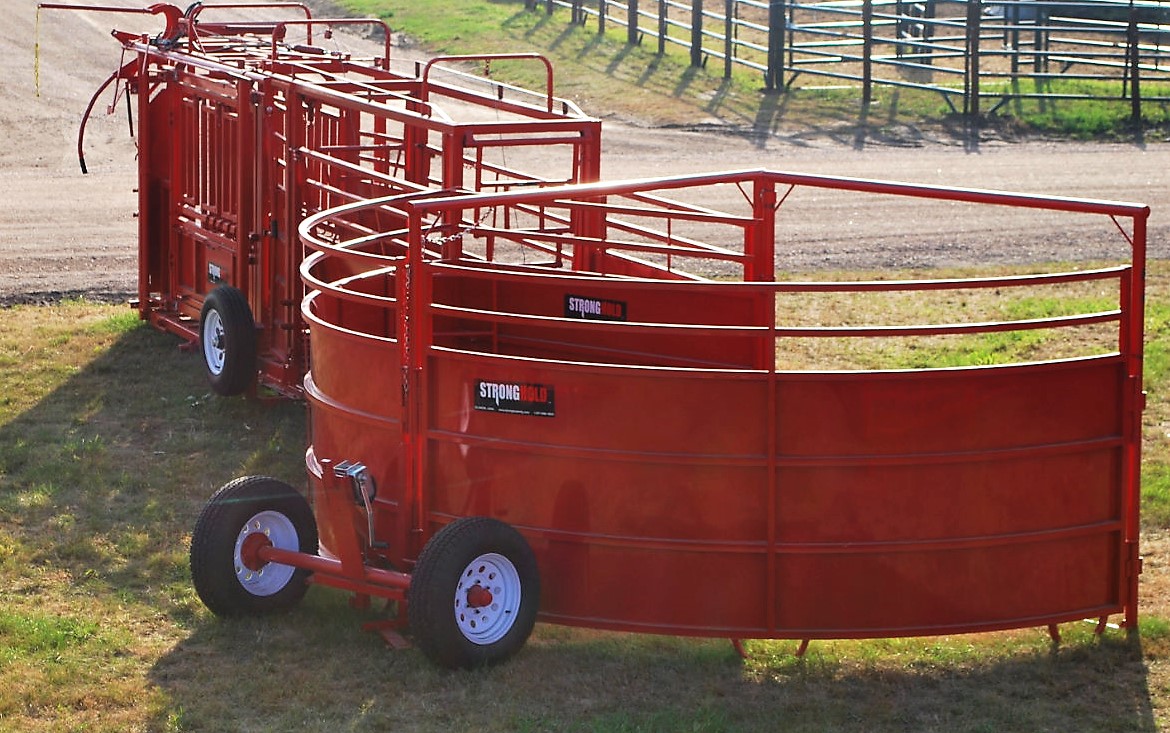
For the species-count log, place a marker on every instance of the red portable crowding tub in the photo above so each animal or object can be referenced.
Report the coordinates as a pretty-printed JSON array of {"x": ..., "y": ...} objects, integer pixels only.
[
  {"x": 595, "y": 405},
  {"x": 527, "y": 405}
]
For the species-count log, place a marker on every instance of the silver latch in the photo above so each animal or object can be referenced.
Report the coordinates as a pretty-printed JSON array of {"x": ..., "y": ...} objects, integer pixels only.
[
  {"x": 361, "y": 481},
  {"x": 364, "y": 488}
]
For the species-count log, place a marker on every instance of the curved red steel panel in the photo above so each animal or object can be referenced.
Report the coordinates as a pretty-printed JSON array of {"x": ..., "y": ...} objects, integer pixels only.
[{"x": 672, "y": 479}]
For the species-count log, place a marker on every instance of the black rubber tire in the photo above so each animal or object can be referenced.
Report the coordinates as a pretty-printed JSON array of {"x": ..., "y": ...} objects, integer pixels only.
[
  {"x": 431, "y": 597},
  {"x": 228, "y": 330},
  {"x": 221, "y": 524}
]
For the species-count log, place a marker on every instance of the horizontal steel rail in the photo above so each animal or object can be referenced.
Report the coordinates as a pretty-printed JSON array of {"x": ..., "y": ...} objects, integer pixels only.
[{"x": 1097, "y": 42}]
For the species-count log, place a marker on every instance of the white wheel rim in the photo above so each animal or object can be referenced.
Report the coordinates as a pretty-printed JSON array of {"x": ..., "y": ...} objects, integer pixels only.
[
  {"x": 271, "y": 577},
  {"x": 487, "y": 624},
  {"x": 214, "y": 352}
]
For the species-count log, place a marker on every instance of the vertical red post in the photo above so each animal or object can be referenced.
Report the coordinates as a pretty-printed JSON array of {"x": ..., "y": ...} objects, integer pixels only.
[
  {"x": 245, "y": 170},
  {"x": 146, "y": 214},
  {"x": 412, "y": 350},
  {"x": 339, "y": 510},
  {"x": 587, "y": 166},
  {"x": 760, "y": 242},
  {"x": 1133, "y": 301}
]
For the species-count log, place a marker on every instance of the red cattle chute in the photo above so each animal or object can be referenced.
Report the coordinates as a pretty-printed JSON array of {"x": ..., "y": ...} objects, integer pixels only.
[{"x": 243, "y": 132}]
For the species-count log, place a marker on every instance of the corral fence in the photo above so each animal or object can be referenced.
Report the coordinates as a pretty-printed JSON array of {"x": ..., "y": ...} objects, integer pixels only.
[{"x": 972, "y": 52}]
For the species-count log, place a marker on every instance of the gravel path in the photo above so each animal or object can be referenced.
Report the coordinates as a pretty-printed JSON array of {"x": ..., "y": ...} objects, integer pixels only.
[{"x": 62, "y": 233}]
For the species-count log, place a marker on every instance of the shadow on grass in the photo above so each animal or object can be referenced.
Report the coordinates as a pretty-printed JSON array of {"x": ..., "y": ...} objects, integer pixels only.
[
  {"x": 521, "y": 18},
  {"x": 313, "y": 669},
  {"x": 617, "y": 59},
  {"x": 103, "y": 478}
]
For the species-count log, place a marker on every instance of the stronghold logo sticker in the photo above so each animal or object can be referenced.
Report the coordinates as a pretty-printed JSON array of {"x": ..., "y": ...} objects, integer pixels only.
[
  {"x": 515, "y": 398},
  {"x": 594, "y": 309}
]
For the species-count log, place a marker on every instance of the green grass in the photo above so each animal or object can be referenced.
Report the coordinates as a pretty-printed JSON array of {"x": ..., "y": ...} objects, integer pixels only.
[
  {"x": 605, "y": 75},
  {"x": 1014, "y": 346},
  {"x": 957, "y": 306},
  {"x": 110, "y": 444},
  {"x": 1156, "y": 475},
  {"x": 1157, "y": 356},
  {"x": 1106, "y": 116}
]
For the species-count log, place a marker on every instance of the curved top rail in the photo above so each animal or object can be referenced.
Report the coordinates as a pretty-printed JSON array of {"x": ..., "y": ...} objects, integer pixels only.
[
  {"x": 489, "y": 57},
  {"x": 317, "y": 244},
  {"x": 862, "y": 185},
  {"x": 194, "y": 25},
  {"x": 341, "y": 287}
]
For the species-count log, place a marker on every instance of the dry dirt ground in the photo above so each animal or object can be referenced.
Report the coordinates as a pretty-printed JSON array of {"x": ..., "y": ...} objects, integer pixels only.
[{"x": 64, "y": 233}]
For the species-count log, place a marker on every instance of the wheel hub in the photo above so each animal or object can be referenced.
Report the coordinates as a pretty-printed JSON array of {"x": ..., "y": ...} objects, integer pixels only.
[
  {"x": 478, "y": 597},
  {"x": 214, "y": 352},
  {"x": 250, "y": 550},
  {"x": 487, "y": 599},
  {"x": 265, "y": 529}
]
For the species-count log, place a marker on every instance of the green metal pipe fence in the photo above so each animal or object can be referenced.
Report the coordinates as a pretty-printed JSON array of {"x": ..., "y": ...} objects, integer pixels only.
[{"x": 977, "y": 54}]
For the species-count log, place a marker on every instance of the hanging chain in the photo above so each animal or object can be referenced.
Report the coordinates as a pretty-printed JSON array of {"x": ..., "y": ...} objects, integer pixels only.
[{"x": 433, "y": 238}]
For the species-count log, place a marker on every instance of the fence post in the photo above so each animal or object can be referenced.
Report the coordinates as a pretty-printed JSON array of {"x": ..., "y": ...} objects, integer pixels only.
[
  {"x": 866, "y": 53},
  {"x": 774, "y": 76},
  {"x": 632, "y": 22},
  {"x": 696, "y": 33},
  {"x": 548, "y": 6},
  {"x": 928, "y": 31},
  {"x": 601, "y": 8},
  {"x": 1133, "y": 52},
  {"x": 728, "y": 30},
  {"x": 661, "y": 27},
  {"x": 971, "y": 80},
  {"x": 530, "y": 4}
]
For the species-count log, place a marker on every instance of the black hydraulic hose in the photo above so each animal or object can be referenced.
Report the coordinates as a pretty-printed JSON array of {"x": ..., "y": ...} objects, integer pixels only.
[
  {"x": 129, "y": 111},
  {"x": 85, "y": 117}
]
